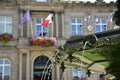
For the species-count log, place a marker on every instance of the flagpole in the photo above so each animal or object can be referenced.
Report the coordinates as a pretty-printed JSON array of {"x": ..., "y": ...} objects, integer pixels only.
[
  {"x": 42, "y": 31},
  {"x": 31, "y": 28},
  {"x": 52, "y": 29}
]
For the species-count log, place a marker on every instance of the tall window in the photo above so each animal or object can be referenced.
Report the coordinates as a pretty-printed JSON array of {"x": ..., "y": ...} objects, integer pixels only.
[
  {"x": 39, "y": 71},
  {"x": 101, "y": 26},
  {"x": 41, "y": 0},
  {"x": 40, "y": 29},
  {"x": 4, "y": 69},
  {"x": 76, "y": 27},
  {"x": 5, "y": 24}
]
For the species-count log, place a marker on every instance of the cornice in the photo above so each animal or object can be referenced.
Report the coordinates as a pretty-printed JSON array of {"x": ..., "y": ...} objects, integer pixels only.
[{"x": 56, "y": 6}]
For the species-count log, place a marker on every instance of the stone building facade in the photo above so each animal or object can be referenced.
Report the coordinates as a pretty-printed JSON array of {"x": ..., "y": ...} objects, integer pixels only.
[{"x": 18, "y": 57}]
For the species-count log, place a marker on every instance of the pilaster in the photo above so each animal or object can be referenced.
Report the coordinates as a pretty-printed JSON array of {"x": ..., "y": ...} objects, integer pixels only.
[
  {"x": 62, "y": 17},
  {"x": 56, "y": 19}
]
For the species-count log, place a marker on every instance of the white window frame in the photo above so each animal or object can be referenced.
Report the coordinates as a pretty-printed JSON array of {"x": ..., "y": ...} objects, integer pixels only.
[
  {"x": 5, "y": 23},
  {"x": 76, "y": 24},
  {"x": 3, "y": 66},
  {"x": 101, "y": 24}
]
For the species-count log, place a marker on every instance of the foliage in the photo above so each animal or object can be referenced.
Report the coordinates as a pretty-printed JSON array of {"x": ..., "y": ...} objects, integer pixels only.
[
  {"x": 116, "y": 15},
  {"x": 111, "y": 53},
  {"x": 76, "y": 79},
  {"x": 74, "y": 37},
  {"x": 118, "y": 4},
  {"x": 5, "y": 38},
  {"x": 93, "y": 57},
  {"x": 43, "y": 41}
]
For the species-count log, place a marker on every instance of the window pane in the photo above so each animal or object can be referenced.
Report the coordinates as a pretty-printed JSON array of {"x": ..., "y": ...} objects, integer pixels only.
[
  {"x": 73, "y": 28},
  {"x": 38, "y": 28},
  {"x": 2, "y": 28},
  {"x": 38, "y": 20},
  {"x": 5, "y": 25},
  {"x": 79, "y": 21},
  {"x": 103, "y": 21},
  {"x": 9, "y": 28},
  {"x": 0, "y": 77},
  {"x": 9, "y": 20},
  {"x": 73, "y": 21},
  {"x": 1, "y": 70},
  {"x": 1, "y": 62},
  {"x": 97, "y": 28},
  {"x": 6, "y": 77},
  {"x": 103, "y": 27},
  {"x": 79, "y": 29},
  {"x": 7, "y": 62},
  {"x": 73, "y": 33},
  {"x": 7, "y": 70},
  {"x": 2, "y": 19}
]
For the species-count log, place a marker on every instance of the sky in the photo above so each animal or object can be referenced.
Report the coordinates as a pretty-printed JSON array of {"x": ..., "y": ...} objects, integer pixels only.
[{"x": 107, "y": 1}]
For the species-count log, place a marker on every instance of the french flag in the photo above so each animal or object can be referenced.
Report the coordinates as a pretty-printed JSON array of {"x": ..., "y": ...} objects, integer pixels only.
[
  {"x": 96, "y": 20},
  {"x": 89, "y": 14},
  {"x": 47, "y": 20}
]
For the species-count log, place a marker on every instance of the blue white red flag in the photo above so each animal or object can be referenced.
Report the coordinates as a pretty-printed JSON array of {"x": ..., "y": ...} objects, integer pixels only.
[
  {"x": 96, "y": 20},
  {"x": 47, "y": 20}
]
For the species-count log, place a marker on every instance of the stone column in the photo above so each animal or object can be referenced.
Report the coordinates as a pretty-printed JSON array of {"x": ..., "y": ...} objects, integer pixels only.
[
  {"x": 20, "y": 66},
  {"x": 21, "y": 30},
  {"x": 56, "y": 19},
  {"x": 62, "y": 18},
  {"x": 68, "y": 74},
  {"x": 28, "y": 66},
  {"x": 57, "y": 72},
  {"x": 28, "y": 29}
]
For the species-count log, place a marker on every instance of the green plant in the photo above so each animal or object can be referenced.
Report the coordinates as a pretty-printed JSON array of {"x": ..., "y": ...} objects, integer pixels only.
[{"x": 5, "y": 37}]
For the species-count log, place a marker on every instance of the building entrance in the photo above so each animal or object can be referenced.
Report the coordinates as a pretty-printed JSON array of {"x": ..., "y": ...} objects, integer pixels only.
[{"x": 41, "y": 71}]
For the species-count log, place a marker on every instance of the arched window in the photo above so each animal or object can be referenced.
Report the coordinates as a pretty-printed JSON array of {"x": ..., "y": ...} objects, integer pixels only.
[
  {"x": 4, "y": 69},
  {"x": 40, "y": 68}
]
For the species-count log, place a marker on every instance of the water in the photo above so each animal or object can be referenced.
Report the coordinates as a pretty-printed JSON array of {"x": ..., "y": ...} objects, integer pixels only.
[
  {"x": 52, "y": 59},
  {"x": 83, "y": 52},
  {"x": 47, "y": 71},
  {"x": 109, "y": 17}
]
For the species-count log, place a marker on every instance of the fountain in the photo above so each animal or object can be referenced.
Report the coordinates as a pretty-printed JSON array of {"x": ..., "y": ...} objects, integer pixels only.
[
  {"x": 83, "y": 52},
  {"x": 47, "y": 70},
  {"x": 52, "y": 59}
]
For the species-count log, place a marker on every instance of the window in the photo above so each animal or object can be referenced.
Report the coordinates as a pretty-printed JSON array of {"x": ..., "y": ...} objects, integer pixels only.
[
  {"x": 41, "y": 29},
  {"x": 76, "y": 27},
  {"x": 78, "y": 73},
  {"x": 41, "y": 0},
  {"x": 5, "y": 25},
  {"x": 39, "y": 71},
  {"x": 4, "y": 69},
  {"x": 101, "y": 26}
]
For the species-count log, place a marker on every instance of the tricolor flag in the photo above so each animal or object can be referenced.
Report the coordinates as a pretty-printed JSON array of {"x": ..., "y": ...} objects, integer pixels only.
[
  {"x": 26, "y": 18},
  {"x": 47, "y": 20},
  {"x": 96, "y": 20},
  {"x": 89, "y": 14}
]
